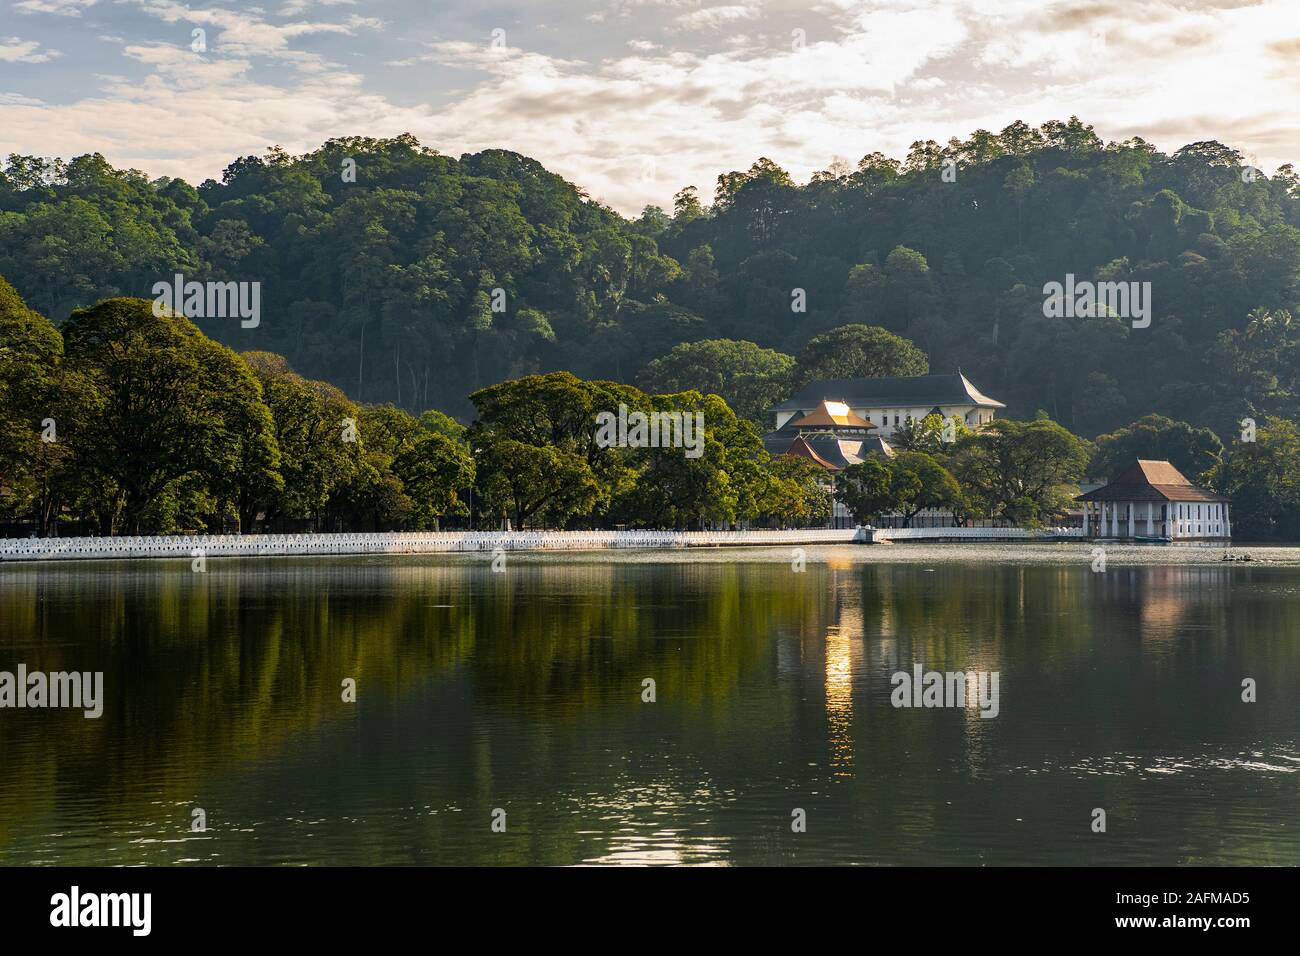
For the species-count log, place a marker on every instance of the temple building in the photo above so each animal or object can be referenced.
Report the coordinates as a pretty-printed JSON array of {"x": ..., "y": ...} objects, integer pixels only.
[
  {"x": 884, "y": 404},
  {"x": 830, "y": 435},
  {"x": 839, "y": 422},
  {"x": 1151, "y": 500}
]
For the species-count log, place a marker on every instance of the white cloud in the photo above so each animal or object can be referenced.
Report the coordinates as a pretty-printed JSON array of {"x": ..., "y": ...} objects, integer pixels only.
[
  {"x": 714, "y": 17},
  {"x": 242, "y": 34},
  {"x": 61, "y": 8},
  {"x": 294, "y": 7},
  {"x": 15, "y": 50},
  {"x": 357, "y": 22}
]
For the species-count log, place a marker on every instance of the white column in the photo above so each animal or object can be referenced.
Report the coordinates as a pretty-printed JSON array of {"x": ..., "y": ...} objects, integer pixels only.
[
  {"x": 1114, "y": 519},
  {"x": 1227, "y": 522},
  {"x": 1150, "y": 520}
]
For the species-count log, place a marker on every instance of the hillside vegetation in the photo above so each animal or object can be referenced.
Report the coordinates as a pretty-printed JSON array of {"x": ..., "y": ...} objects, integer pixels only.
[{"x": 385, "y": 286}]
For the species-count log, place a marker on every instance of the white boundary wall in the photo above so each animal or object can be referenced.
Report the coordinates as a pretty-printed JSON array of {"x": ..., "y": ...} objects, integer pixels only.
[
  {"x": 398, "y": 542},
  {"x": 886, "y": 535},
  {"x": 443, "y": 542}
]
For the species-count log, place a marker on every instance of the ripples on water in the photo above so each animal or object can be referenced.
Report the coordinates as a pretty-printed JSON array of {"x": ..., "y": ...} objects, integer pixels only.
[{"x": 522, "y": 691}]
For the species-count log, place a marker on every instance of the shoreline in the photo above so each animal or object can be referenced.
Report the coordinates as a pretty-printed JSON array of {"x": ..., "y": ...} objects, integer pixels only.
[
  {"x": 398, "y": 542},
  {"x": 201, "y": 547}
]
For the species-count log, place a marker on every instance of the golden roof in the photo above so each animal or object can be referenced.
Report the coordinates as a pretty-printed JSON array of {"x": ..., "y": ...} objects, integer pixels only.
[{"x": 832, "y": 413}]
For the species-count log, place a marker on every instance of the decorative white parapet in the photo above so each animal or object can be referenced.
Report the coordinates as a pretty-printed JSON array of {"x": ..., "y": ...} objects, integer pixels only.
[
  {"x": 400, "y": 542},
  {"x": 885, "y": 535}
]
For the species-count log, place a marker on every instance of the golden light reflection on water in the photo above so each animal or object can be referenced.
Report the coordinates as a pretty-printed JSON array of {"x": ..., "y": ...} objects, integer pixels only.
[
  {"x": 662, "y": 848},
  {"x": 843, "y": 660},
  {"x": 635, "y": 828}
]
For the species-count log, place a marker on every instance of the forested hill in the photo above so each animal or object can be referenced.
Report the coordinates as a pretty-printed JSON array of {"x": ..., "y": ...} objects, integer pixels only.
[{"x": 385, "y": 286}]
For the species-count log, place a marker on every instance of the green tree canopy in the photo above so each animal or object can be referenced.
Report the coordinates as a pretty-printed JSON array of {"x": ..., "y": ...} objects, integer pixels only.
[
  {"x": 31, "y": 369},
  {"x": 797, "y": 492},
  {"x": 1024, "y": 471},
  {"x": 317, "y": 430},
  {"x": 858, "y": 351},
  {"x": 749, "y": 378},
  {"x": 866, "y": 489},
  {"x": 165, "y": 402},
  {"x": 1262, "y": 479},
  {"x": 1191, "y": 450}
]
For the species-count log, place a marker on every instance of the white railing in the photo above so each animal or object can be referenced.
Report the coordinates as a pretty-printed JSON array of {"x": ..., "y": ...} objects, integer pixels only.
[
  {"x": 399, "y": 542},
  {"x": 973, "y": 534},
  {"x": 442, "y": 542}
]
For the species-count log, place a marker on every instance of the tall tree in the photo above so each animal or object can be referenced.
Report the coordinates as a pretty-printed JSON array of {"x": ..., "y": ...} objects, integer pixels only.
[
  {"x": 31, "y": 395},
  {"x": 1262, "y": 479},
  {"x": 1023, "y": 471},
  {"x": 858, "y": 351},
  {"x": 161, "y": 406},
  {"x": 749, "y": 378},
  {"x": 317, "y": 430}
]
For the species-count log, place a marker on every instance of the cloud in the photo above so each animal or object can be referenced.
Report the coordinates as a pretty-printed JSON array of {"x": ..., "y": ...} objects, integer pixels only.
[
  {"x": 714, "y": 17},
  {"x": 243, "y": 34},
  {"x": 14, "y": 50},
  {"x": 294, "y": 7},
  {"x": 699, "y": 103},
  {"x": 368, "y": 23},
  {"x": 61, "y": 8}
]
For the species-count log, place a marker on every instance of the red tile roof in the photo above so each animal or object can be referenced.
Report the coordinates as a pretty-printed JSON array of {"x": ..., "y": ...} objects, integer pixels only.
[{"x": 804, "y": 450}]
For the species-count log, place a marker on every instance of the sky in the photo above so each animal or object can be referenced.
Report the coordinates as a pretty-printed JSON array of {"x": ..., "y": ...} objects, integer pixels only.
[{"x": 634, "y": 99}]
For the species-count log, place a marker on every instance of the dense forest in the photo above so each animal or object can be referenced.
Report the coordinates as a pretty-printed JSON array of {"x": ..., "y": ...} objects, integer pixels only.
[
  {"x": 127, "y": 419},
  {"x": 403, "y": 276}
]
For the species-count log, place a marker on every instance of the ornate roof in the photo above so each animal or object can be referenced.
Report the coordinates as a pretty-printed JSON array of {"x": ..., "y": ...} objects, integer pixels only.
[
  {"x": 830, "y": 451},
  {"x": 914, "y": 391},
  {"x": 830, "y": 413}
]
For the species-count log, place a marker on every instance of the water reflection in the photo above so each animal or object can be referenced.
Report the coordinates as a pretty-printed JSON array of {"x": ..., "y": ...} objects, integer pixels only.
[{"x": 522, "y": 691}]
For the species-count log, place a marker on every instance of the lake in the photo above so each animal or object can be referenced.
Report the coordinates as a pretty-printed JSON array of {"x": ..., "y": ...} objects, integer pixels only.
[{"x": 516, "y": 697}]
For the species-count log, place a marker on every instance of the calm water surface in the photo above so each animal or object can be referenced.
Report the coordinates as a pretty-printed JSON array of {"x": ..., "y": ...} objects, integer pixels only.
[{"x": 522, "y": 691}]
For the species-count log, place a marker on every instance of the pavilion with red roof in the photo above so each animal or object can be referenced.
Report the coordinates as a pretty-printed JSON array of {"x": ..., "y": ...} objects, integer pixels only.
[{"x": 1153, "y": 500}]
